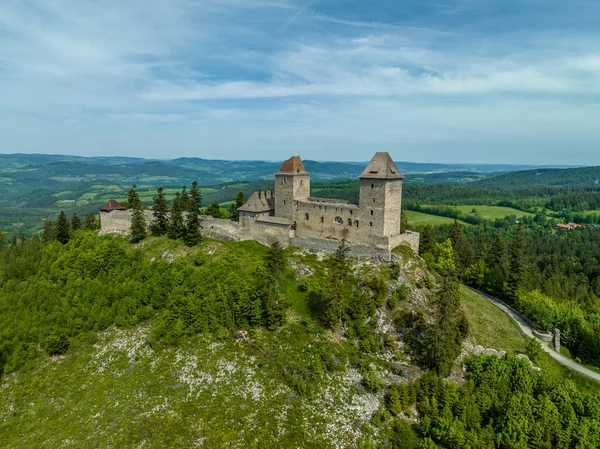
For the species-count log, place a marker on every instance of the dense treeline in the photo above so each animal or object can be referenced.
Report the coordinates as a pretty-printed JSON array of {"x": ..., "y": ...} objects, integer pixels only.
[
  {"x": 567, "y": 203},
  {"x": 551, "y": 276},
  {"x": 504, "y": 404}
]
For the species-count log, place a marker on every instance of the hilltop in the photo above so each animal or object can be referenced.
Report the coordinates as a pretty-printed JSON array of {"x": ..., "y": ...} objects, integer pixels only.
[
  {"x": 165, "y": 346},
  {"x": 543, "y": 177}
]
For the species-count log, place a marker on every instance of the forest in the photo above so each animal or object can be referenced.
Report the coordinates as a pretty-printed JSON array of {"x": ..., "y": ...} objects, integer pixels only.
[{"x": 552, "y": 277}]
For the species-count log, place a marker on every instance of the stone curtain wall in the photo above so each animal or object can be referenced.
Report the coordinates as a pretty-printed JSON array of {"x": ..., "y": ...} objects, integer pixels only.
[
  {"x": 322, "y": 222},
  {"x": 361, "y": 245}
]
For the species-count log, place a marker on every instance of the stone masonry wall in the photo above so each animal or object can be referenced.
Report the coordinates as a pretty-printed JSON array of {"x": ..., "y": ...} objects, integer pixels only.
[
  {"x": 329, "y": 220},
  {"x": 119, "y": 222}
]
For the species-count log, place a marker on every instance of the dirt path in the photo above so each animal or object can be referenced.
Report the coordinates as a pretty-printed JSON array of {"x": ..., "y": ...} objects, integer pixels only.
[{"x": 527, "y": 329}]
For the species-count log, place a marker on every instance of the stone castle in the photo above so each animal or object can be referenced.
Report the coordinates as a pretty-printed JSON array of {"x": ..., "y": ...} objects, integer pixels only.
[{"x": 292, "y": 217}]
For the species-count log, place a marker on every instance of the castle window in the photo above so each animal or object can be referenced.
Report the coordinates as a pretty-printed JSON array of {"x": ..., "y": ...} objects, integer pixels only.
[
  {"x": 306, "y": 216},
  {"x": 372, "y": 186},
  {"x": 349, "y": 221},
  {"x": 322, "y": 219},
  {"x": 284, "y": 181},
  {"x": 371, "y": 211},
  {"x": 284, "y": 202},
  {"x": 356, "y": 223},
  {"x": 371, "y": 223},
  {"x": 350, "y": 211},
  {"x": 339, "y": 220},
  {"x": 373, "y": 199},
  {"x": 301, "y": 182}
]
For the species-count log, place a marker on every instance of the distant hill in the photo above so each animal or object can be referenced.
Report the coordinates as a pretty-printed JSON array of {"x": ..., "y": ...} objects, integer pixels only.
[{"x": 543, "y": 177}]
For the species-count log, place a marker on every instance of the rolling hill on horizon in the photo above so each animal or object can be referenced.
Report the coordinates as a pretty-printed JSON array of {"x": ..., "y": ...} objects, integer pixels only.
[{"x": 543, "y": 177}]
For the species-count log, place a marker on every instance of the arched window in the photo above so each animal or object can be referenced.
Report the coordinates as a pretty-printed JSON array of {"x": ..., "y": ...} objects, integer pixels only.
[
  {"x": 322, "y": 219},
  {"x": 371, "y": 223},
  {"x": 371, "y": 211},
  {"x": 372, "y": 186},
  {"x": 306, "y": 216},
  {"x": 349, "y": 221},
  {"x": 339, "y": 220}
]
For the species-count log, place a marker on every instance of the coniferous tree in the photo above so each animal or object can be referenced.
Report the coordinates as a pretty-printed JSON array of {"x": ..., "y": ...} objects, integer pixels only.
[
  {"x": 234, "y": 213},
  {"x": 62, "y": 228},
  {"x": 91, "y": 222},
  {"x": 176, "y": 226},
  {"x": 394, "y": 402},
  {"x": 138, "y": 221},
  {"x": 48, "y": 231},
  {"x": 160, "y": 224},
  {"x": 274, "y": 268},
  {"x": 132, "y": 198},
  {"x": 185, "y": 199},
  {"x": 336, "y": 286},
  {"x": 427, "y": 239},
  {"x": 214, "y": 210},
  {"x": 193, "y": 223},
  {"x": 517, "y": 248},
  {"x": 75, "y": 222}
]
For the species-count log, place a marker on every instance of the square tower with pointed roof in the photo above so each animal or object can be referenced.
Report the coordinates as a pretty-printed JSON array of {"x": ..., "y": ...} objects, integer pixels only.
[
  {"x": 381, "y": 196},
  {"x": 292, "y": 182}
]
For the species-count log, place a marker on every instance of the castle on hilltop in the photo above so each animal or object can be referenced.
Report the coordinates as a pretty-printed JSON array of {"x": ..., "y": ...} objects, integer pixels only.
[{"x": 292, "y": 217}]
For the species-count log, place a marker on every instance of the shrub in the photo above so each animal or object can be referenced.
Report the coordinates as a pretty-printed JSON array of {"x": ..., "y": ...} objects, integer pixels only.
[
  {"x": 56, "y": 344},
  {"x": 372, "y": 382}
]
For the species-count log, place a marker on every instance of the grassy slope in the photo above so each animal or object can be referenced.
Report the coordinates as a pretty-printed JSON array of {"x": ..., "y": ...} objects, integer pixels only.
[
  {"x": 493, "y": 212},
  {"x": 114, "y": 390},
  {"x": 121, "y": 393},
  {"x": 492, "y": 328},
  {"x": 421, "y": 219}
]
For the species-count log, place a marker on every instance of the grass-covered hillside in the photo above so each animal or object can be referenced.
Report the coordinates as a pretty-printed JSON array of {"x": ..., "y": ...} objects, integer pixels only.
[{"x": 108, "y": 344}]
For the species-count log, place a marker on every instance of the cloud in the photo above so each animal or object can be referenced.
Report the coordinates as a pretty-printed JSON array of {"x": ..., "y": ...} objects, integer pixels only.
[{"x": 340, "y": 74}]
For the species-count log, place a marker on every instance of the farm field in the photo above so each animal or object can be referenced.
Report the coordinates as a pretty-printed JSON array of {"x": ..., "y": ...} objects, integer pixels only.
[
  {"x": 490, "y": 212},
  {"x": 422, "y": 219}
]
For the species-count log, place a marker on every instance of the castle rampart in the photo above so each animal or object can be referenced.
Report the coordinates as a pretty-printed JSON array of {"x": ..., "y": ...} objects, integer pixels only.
[{"x": 292, "y": 217}]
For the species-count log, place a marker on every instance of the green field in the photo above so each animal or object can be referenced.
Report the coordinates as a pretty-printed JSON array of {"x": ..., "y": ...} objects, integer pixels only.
[
  {"x": 489, "y": 212},
  {"x": 493, "y": 212},
  {"x": 421, "y": 219}
]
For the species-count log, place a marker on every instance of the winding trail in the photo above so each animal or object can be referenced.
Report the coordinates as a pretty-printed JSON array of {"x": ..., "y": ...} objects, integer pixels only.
[{"x": 526, "y": 327}]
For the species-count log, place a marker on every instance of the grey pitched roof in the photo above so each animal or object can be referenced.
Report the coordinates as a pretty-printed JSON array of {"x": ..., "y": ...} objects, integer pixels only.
[
  {"x": 381, "y": 167},
  {"x": 261, "y": 201}
]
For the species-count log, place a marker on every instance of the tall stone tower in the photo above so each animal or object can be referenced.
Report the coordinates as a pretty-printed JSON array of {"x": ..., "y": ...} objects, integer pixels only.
[
  {"x": 291, "y": 182},
  {"x": 381, "y": 196}
]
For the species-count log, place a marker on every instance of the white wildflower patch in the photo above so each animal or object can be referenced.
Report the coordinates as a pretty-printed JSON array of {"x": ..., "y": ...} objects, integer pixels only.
[{"x": 117, "y": 343}]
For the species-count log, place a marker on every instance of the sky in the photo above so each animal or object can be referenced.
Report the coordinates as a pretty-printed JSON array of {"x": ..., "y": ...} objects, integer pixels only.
[{"x": 482, "y": 81}]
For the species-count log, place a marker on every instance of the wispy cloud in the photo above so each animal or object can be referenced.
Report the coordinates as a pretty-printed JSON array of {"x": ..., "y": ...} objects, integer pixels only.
[{"x": 221, "y": 73}]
